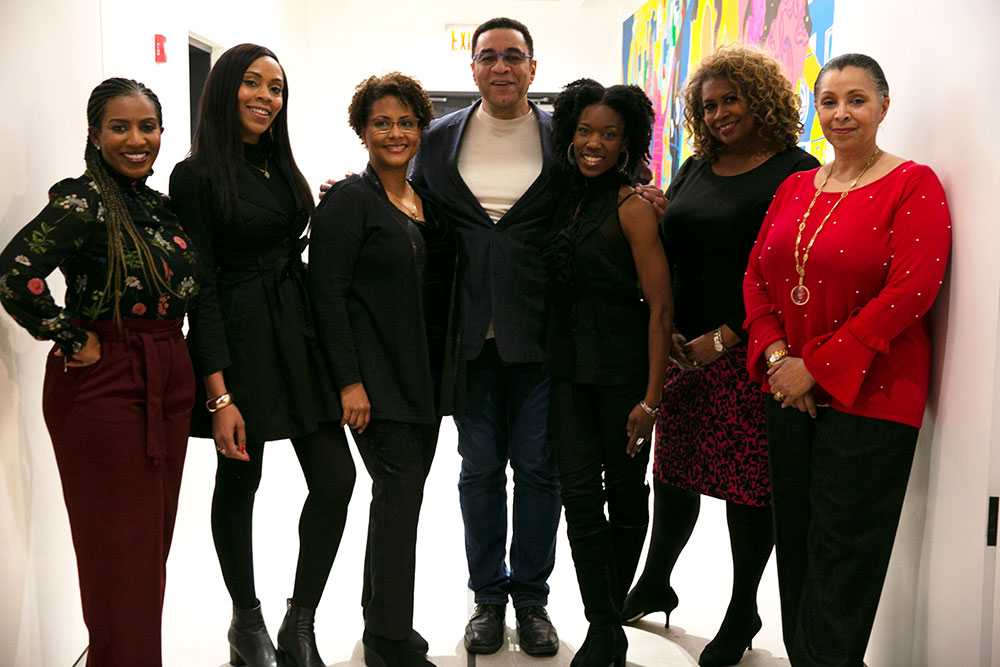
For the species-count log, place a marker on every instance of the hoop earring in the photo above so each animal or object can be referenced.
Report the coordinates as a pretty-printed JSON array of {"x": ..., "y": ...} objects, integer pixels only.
[
  {"x": 569, "y": 155},
  {"x": 270, "y": 130},
  {"x": 623, "y": 167}
]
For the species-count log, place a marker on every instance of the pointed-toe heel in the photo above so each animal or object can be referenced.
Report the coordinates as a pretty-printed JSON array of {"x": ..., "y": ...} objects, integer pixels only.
[
  {"x": 728, "y": 645},
  {"x": 641, "y": 602}
]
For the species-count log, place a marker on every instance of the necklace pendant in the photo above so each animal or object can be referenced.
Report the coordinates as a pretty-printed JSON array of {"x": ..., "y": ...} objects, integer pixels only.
[
  {"x": 800, "y": 295},
  {"x": 267, "y": 174}
]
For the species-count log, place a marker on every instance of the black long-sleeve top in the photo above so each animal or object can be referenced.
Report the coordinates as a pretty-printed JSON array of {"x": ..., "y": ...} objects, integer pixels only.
[
  {"x": 710, "y": 226},
  {"x": 253, "y": 320},
  {"x": 71, "y": 234},
  {"x": 380, "y": 315}
]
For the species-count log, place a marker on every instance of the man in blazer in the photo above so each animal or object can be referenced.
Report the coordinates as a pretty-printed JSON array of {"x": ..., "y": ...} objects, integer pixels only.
[{"x": 489, "y": 166}]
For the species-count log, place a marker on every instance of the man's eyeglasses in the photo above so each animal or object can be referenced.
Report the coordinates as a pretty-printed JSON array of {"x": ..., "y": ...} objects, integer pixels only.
[
  {"x": 406, "y": 125},
  {"x": 512, "y": 57}
]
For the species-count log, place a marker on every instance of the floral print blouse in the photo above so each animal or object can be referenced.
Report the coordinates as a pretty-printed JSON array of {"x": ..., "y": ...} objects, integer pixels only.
[{"x": 70, "y": 234}]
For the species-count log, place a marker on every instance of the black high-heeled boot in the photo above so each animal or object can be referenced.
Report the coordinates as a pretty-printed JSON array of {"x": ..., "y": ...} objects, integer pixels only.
[
  {"x": 249, "y": 643},
  {"x": 297, "y": 638}
]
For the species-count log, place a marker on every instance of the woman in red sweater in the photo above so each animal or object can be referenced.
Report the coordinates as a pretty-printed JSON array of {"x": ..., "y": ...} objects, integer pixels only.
[{"x": 848, "y": 261}]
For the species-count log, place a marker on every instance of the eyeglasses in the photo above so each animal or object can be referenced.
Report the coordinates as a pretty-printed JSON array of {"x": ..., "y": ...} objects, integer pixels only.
[
  {"x": 512, "y": 58},
  {"x": 406, "y": 125}
]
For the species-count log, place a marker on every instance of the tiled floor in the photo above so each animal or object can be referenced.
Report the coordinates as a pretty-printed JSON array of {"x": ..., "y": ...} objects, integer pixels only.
[{"x": 197, "y": 609}]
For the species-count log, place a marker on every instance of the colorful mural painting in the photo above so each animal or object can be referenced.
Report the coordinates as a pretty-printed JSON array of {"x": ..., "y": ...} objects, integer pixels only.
[{"x": 666, "y": 39}]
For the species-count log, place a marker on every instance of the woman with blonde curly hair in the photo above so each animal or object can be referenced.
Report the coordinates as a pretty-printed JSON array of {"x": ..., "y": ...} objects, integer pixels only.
[{"x": 744, "y": 119}]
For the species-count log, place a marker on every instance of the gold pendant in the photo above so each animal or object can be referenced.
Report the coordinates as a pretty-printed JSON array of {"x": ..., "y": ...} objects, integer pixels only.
[{"x": 800, "y": 295}]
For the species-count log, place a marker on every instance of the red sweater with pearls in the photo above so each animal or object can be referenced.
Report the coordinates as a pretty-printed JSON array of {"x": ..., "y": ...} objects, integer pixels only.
[{"x": 873, "y": 273}]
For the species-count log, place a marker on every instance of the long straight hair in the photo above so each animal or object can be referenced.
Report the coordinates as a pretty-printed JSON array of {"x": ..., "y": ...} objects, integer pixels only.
[{"x": 217, "y": 148}]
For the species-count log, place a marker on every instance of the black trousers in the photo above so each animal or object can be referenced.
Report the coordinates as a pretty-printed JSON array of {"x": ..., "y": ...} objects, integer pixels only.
[
  {"x": 398, "y": 457},
  {"x": 587, "y": 431},
  {"x": 838, "y": 483}
]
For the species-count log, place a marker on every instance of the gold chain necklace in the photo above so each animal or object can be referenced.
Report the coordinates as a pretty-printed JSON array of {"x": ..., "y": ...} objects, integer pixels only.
[
  {"x": 800, "y": 293},
  {"x": 264, "y": 171},
  {"x": 411, "y": 207}
]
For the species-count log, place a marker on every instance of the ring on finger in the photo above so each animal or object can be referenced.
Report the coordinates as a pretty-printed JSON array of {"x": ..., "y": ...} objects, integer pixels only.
[
  {"x": 639, "y": 441},
  {"x": 778, "y": 396}
]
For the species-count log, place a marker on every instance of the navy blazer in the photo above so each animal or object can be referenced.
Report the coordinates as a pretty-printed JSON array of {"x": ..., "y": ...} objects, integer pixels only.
[{"x": 500, "y": 270}]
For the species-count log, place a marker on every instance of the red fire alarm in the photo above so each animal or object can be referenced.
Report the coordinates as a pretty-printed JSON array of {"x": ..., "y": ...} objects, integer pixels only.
[{"x": 160, "y": 50}]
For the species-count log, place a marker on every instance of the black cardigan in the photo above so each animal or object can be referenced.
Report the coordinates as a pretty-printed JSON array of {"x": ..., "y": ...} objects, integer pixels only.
[{"x": 369, "y": 303}]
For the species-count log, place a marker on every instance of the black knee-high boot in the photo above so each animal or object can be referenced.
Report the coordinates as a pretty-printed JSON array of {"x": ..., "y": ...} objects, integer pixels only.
[
  {"x": 593, "y": 558},
  {"x": 627, "y": 544},
  {"x": 751, "y": 538},
  {"x": 675, "y": 512}
]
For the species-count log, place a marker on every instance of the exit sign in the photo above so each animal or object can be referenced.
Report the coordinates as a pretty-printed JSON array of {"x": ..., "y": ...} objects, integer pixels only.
[{"x": 459, "y": 37}]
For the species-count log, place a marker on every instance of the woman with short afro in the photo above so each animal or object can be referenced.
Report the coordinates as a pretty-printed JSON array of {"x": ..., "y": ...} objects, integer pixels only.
[{"x": 606, "y": 346}]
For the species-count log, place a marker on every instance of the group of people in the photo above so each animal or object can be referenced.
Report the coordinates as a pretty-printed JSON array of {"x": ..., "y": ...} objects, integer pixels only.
[{"x": 505, "y": 266}]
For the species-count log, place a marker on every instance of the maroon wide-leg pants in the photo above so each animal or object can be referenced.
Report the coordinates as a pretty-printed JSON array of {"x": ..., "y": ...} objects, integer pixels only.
[{"x": 119, "y": 429}]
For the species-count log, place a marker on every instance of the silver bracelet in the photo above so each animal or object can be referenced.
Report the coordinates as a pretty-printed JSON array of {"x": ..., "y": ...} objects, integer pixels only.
[{"x": 648, "y": 410}]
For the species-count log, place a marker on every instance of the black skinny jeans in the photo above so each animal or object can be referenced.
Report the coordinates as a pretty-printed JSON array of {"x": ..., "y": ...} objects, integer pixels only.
[{"x": 587, "y": 431}]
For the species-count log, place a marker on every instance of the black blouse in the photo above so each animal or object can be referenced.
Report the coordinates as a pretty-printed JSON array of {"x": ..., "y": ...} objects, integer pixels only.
[
  {"x": 710, "y": 226},
  {"x": 380, "y": 293},
  {"x": 71, "y": 234},
  {"x": 598, "y": 322}
]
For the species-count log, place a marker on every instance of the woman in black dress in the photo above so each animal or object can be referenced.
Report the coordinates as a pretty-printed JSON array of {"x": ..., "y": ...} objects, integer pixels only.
[
  {"x": 245, "y": 204},
  {"x": 380, "y": 278},
  {"x": 710, "y": 440},
  {"x": 607, "y": 343},
  {"x": 118, "y": 382}
]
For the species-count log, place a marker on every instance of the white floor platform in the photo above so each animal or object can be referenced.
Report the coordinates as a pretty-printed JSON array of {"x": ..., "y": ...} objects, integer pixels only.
[{"x": 197, "y": 609}]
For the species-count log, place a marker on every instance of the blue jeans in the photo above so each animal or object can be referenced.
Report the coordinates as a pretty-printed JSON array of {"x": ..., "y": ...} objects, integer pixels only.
[{"x": 505, "y": 419}]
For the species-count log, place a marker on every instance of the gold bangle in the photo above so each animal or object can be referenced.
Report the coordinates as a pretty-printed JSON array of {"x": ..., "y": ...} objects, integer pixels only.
[
  {"x": 219, "y": 402},
  {"x": 777, "y": 356}
]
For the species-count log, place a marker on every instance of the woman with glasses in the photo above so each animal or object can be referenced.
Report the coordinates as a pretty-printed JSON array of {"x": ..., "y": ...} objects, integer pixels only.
[
  {"x": 245, "y": 204},
  {"x": 380, "y": 280}
]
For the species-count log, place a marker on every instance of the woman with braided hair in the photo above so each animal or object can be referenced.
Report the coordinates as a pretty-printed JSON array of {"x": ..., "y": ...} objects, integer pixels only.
[
  {"x": 118, "y": 383},
  {"x": 246, "y": 205}
]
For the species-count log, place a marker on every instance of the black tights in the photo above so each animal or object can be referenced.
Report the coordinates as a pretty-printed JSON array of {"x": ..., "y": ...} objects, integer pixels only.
[
  {"x": 329, "y": 471},
  {"x": 751, "y": 537}
]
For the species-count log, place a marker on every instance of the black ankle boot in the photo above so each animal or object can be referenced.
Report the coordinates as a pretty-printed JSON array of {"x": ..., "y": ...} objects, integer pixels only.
[
  {"x": 645, "y": 599},
  {"x": 384, "y": 652},
  {"x": 735, "y": 635},
  {"x": 297, "y": 639},
  {"x": 249, "y": 643}
]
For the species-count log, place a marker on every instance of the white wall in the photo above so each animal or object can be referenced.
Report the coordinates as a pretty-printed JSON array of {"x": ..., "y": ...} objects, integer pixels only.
[
  {"x": 353, "y": 39},
  {"x": 938, "y": 62}
]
